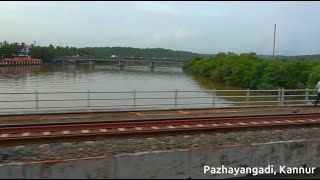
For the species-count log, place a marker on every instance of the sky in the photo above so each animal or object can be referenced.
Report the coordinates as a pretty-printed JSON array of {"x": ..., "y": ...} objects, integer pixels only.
[{"x": 196, "y": 26}]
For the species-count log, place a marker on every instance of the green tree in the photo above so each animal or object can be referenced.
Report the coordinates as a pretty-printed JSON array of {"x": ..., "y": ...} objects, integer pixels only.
[
  {"x": 314, "y": 77},
  {"x": 251, "y": 71}
]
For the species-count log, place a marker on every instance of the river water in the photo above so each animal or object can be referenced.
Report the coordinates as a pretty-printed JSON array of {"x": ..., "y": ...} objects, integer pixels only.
[{"x": 75, "y": 78}]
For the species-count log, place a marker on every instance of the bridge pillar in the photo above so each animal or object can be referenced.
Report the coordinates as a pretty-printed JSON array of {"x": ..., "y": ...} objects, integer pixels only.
[{"x": 151, "y": 66}]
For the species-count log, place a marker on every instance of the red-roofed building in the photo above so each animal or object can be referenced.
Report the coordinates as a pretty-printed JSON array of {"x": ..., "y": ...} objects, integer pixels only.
[{"x": 21, "y": 59}]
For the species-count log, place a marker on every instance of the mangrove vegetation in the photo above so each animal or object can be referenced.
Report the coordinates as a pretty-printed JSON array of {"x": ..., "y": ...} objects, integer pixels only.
[{"x": 248, "y": 70}]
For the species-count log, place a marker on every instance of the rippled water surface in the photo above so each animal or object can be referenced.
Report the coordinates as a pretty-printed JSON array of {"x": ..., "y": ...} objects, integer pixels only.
[{"x": 100, "y": 78}]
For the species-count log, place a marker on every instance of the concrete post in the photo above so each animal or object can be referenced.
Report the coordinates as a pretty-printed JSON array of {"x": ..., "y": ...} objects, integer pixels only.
[
  {"x": 151, "y": 66},
  {"x": 214, "y": 98},
  {"x": 121, "y": 65},
  {"x": 307, "y": 96},
  {"x": 88, "y": 99},
  {"x": 176, "y": 98},
  {"x": 37, "y": 100},
  {"x": 279, "y": 97},
  {"x": 248, "y": 95},
  {"x": 282, "y": 96},
  {"x": 134, "y": 98}
]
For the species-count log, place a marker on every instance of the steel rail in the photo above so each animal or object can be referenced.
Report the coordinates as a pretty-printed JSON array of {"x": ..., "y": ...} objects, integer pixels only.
[{"x": 21, "y": 133}]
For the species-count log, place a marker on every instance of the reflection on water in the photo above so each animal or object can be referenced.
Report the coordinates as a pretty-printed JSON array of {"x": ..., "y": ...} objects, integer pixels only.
[
  {"x": 14, "y": 70},
  {"x": 81, "y": 78},
  {"x": 272, "y": 96},
  {"x": 209, "y": 84},
  {"x": 84, "y": 77}
]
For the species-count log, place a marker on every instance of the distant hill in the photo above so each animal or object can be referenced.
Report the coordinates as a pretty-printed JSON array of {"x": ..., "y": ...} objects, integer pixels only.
[
  {"x": 301, "y": 57},
  {"x": 168, "y": 53},
  {"x": 47, "y": 53},
  {"x": 139, "y": 52}
]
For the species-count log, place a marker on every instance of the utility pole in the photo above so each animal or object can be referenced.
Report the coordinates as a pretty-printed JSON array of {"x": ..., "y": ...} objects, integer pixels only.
[{"x": 274, "y": 39}]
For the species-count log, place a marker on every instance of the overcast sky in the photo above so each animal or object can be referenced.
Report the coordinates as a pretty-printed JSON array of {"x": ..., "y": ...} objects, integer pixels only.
[{"x": 200, "y": 27}]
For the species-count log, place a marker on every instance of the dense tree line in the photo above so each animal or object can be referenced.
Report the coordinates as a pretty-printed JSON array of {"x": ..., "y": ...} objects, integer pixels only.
[
  {"x": 46, "y": 53},
  {"x": 9, "y": 50},
  {"x": 251, "y": 71},
  {"x": 140, "y": 52}
]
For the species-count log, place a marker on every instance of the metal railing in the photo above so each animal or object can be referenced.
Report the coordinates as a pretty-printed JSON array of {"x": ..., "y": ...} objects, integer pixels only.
[{"x": 99, "y": 100}]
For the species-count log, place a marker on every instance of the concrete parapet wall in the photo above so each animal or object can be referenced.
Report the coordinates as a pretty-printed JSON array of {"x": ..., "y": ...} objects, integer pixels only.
[
  {"x": 229, "y": 156},
  {"x": 178, "y": 164},
  {"x": 162, "y": 164},
  {"x": 289, "y": 153},
  {"x": 85, "y": 168},
  {"x": 313, "y": 153}
]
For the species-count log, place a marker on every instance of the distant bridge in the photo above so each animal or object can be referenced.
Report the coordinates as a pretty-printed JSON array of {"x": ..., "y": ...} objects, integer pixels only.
[{"x": 120, "y": 60}]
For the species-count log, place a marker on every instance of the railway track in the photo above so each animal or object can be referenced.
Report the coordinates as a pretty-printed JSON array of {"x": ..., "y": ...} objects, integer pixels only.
[{"x": 110, "y": 129}]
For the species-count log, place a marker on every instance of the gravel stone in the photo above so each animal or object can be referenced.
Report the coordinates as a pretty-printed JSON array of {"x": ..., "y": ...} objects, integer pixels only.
[{"x": 115, "y": 146}]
